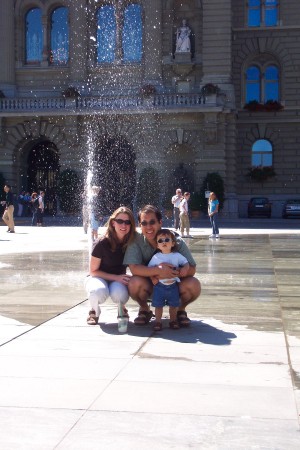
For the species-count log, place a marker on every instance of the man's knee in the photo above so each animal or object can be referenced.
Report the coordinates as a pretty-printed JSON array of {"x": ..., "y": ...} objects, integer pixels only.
[
  {"x": 189, "y": 289},
  {"x": 139, "y": 287}
]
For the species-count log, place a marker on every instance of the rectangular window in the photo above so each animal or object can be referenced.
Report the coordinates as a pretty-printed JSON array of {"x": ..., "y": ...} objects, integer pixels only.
[
  {"x": 271, "y": 13},
  {"x": 254, "y": 13}
]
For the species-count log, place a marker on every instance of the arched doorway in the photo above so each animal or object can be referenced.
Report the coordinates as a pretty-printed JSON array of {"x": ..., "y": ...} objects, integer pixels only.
[
  {"x": 42, "y": 173},
  {"x": 114, "y": 171}
]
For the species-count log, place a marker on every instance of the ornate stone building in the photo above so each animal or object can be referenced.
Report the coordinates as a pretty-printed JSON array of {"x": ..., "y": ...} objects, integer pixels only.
[{"x": 104, "y": 86}]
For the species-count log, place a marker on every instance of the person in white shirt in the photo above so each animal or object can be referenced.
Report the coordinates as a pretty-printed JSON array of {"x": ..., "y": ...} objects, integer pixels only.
[
  {"x": 184, "y": 215},
  {"x": 166, "y": 290},
  {"x": 176, "y": 199}
]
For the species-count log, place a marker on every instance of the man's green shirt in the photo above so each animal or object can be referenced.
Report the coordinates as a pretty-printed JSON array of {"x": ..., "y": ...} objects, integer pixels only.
[{"x": 140, "y": 251}]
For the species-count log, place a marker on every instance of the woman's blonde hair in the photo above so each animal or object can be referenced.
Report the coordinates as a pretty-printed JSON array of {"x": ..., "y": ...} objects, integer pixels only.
[{"x": 111, "y": 232}]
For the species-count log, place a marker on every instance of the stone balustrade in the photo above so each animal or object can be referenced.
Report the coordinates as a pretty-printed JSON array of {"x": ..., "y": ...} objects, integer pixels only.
[{"x": 82, "y": 104}]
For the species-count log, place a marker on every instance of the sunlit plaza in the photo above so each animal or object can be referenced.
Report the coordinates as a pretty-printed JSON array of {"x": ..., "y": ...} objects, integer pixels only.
[
  {"x": 231, "y": 380},
  {"x": 139, "y": 98}
]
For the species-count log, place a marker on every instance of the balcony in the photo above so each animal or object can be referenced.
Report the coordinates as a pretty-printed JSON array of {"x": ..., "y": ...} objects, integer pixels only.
[{"x": 157, "y": 103}]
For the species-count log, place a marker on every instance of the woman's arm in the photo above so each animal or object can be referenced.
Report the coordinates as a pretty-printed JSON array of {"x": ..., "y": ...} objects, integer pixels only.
[{"x": 95, "y": 271}]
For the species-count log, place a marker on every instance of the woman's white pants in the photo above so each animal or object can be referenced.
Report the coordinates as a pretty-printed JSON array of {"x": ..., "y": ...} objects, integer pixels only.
[{"x": 98, "y": 290}]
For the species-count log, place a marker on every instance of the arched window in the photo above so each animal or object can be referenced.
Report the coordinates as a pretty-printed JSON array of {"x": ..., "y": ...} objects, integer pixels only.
[
  {"x": 271, "y": 83},
  {"x": 132, "y": 33},
  {"x": 59, "y": 36},
  {"x": 34, "y": 36},
  {"x": 253, "y": 84},
  {"x": 262, "y": 154},
  {"x": 262, "y": 12},
  {"x": 262, "y": 84},
  {"x": 106, "y": 34}
]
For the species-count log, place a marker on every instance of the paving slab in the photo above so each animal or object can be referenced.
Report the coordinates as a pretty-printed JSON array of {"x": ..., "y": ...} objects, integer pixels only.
[{"x": 230, "y": 381}]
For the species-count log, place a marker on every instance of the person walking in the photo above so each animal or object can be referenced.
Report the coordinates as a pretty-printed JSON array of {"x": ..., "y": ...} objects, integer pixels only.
[
  {"x": 176, "y": 199},
  {"x": 184, "y": 215},
  {"x": 107, "y": 274},
  {"x": 8, "y": 215},
  {"x": 213, "y": 210},
  {"x": 166, "y": 290}
]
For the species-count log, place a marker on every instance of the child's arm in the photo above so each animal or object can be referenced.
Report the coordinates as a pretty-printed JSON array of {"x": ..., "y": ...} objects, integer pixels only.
[{"x": 184, "y": 270}]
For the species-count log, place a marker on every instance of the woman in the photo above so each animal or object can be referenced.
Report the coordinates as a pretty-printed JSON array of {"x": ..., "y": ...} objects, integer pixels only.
[
  {"x": 213, "y": 210},
  {"x": 107, "y": 272}
]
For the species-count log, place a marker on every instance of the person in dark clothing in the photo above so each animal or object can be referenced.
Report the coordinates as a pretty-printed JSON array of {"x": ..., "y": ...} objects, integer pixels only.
[{"x": 8, "y": 215}]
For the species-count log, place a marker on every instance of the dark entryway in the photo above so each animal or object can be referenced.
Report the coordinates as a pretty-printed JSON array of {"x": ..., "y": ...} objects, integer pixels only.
[
  {"x": 114, "y": 171},
  {"x": 43, "y": 169}
]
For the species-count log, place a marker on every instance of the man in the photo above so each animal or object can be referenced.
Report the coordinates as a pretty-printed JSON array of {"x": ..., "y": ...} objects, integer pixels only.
[
  {"x": 176, "y": 199},
  {"x": 8, "y": 216},
  {"x": 138, "y": 255}
]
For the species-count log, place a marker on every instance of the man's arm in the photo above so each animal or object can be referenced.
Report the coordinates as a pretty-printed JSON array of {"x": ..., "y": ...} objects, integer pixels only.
[{"x": 161, "y": 271}]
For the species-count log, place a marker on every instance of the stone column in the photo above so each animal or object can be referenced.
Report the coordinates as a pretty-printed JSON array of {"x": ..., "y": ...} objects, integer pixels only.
[
  {"x": 216, "y": 41},
  {"x": 153, "y": 41},
  {"x": 7, "y": 51},
  {"x": 78, "y": 43}
]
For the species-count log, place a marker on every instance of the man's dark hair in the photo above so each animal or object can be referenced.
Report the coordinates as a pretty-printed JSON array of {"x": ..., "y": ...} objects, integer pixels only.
[
  {"x": 7, "y": 185},
  {"x": 150, "y": 209}
]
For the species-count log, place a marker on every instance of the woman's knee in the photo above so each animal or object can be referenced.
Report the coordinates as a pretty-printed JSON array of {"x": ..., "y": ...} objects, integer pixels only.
[{"x": 118, "y": 293}]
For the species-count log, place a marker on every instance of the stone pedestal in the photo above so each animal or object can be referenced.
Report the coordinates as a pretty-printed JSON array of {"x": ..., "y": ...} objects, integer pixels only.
[{"x": 182, "y": 57}]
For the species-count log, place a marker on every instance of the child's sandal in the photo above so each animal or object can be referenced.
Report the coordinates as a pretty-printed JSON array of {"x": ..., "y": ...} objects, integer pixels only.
[
  {"x": 174, "y": 325},
  {"x": 157, "y": 326}
]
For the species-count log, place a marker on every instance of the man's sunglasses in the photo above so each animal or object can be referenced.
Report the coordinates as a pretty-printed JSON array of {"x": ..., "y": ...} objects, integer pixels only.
[
  {"x": 121, "y": 221},
  {"x": 151, "y": 222},
  {"x": 161, "y": 241}
]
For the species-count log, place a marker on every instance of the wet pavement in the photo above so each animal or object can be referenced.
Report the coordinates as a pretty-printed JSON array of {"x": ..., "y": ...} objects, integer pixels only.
[{"x": 230, "y": 381}]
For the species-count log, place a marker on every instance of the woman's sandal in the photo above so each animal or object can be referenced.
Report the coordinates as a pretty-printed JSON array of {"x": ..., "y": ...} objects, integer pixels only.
[
  {"x": 183, "y": 319},
  {"x": 92, "y": 318},
  {"x": 143, "y": 317},
  {"x": 174, "y": 325},
  {"x": 157, "y": 326}
]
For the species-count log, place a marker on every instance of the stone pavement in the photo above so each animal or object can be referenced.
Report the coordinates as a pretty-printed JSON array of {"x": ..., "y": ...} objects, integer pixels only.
[{"x": 230, "y": 381}]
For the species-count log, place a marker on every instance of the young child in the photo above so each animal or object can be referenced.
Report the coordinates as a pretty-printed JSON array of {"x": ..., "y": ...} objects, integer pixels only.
[
  {"x": 166, "y": 292},
  {"x": 184, "y": 215}
]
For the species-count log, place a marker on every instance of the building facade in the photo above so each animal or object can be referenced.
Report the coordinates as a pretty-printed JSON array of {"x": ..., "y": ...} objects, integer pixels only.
[{"x": 109, "y": 88}]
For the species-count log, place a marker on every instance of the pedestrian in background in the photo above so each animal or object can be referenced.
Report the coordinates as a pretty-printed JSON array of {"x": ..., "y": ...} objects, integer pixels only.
[
  {"x": 34, "y": 206},
  {"x": 40, "y": 211},
  {"x": 8, "y": 215},
  {"x": 184, "y": 215},
  {"x": 176, "y": 199},
  {"x": 213, "y": 210}
]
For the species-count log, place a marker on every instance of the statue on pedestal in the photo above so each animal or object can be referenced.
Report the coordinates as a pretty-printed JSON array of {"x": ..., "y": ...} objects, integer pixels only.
[{"x": 183, "y": 42}]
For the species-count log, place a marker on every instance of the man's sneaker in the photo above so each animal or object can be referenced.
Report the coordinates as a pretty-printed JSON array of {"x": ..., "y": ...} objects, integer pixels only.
[
  {"x": 212, "y": 236},
  {"x": 217, "y": 236}
]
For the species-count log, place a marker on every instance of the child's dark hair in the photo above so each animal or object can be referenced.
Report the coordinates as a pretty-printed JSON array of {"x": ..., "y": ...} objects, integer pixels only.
[{"x": 167, "y": 232}]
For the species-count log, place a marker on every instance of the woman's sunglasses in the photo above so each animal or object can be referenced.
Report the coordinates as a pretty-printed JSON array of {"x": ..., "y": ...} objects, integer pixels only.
[
  {"x": 121, "y": 221},
  {"x": 161, "y": 241},
  {"x": 151, "y": 222}
]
